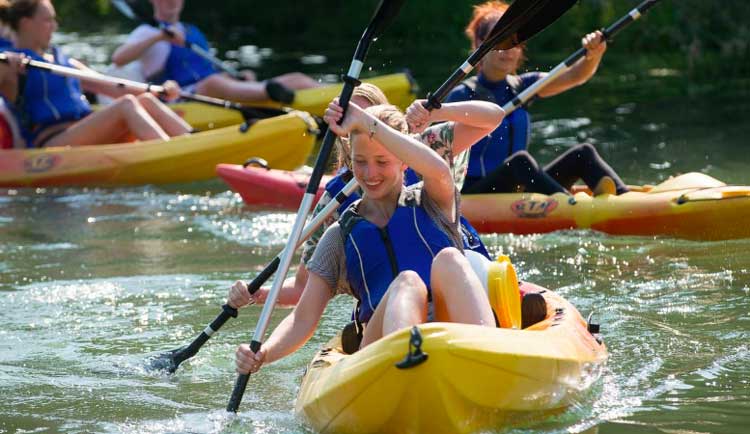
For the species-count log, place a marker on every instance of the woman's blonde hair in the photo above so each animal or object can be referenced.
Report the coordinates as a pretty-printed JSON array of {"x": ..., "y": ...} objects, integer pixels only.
[{"x": 375, "y": 97}]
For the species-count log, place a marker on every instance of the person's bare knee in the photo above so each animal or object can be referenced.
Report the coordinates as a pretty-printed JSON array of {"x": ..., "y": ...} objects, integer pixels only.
[
  {"x": 126, "y": 103},
  {"x": 147, "y": 98},
  {"x": 407, "y": 298},
  {"x": 447, "y": 261}
]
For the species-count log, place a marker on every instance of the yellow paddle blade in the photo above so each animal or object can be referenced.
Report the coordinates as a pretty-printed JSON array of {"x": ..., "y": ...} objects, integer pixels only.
[{"x": 503, "y": 292}]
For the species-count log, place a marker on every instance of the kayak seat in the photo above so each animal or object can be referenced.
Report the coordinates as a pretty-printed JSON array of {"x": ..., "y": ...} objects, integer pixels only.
[{"x": 503, "y": 293}]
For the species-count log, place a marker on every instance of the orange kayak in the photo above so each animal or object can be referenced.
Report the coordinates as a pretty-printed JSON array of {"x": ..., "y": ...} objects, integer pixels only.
[{"x": 692, "y": 206}]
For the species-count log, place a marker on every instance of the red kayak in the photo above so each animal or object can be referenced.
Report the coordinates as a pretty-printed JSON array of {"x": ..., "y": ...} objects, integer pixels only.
[{"x": 271, "y": 188}]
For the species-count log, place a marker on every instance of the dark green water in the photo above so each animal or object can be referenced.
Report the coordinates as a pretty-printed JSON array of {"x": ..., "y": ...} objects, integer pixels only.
[{"x": 93, "y": 281}]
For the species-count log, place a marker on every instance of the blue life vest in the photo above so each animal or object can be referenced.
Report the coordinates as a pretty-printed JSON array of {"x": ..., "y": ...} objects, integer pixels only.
[
  {"x": 183, "y": 65},
  {"x": 469, "y": 235},
  {"x": 336, "y": 184},
  {"x": 5, "y": 44},
  {"x": 511, "y": 136},
  {"x": 48, "y": 99},
  {"x": 375, "y": 256}
]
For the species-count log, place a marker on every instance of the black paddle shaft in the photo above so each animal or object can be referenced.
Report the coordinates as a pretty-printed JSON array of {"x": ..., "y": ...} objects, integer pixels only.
[
  {"x": 385, "y": 13},
  {"x": 615, "y": 28}
]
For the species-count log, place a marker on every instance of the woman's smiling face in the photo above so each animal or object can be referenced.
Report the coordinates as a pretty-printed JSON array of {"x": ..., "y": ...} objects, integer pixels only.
[{"x": 378, "y": 172}]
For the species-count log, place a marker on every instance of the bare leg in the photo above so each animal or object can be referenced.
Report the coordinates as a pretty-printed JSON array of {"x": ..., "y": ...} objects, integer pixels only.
[
  {"x": 458, "y": 294},
  {"x": 110, "y": 124},
  {"x": 403, "y": 305},
  {"x": 297, "y": 80},
  {"x": 172, "y": 124},
  {"x": 222, "y": 86}
]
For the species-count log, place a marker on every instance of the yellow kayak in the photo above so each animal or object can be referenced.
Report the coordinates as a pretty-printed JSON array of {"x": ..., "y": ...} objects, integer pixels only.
[
  {"x": 283, "y": 141},
  {"x": 399, "y": 88},
  {"x": 474, "y": 377},
  {"x": 692, "y": 206}
]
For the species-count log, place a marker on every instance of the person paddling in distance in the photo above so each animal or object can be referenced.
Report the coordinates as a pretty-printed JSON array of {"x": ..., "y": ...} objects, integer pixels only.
[
  {"x": 377, "y": 251},
  {"x": 164, "y": 56},
  {"x": 500, "y": 162},
  {"x": 461, "y": 125},
  {"x": 53, "y": 110}
]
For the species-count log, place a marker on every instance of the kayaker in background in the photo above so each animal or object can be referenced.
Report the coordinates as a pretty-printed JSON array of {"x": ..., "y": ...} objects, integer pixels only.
[
  {"x": 500, "y": 162},
  {"x": 461, "y": 125},
  {"x": 52, "y": 108},
  {"x": 390, "y": 249},
  {"x": 164, "y": 57}
]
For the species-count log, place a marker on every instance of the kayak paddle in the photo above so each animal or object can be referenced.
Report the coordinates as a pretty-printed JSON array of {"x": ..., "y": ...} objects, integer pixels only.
[
  {"x": 170, "y": 360},
  {"x": 566, "y": 64},
  {"x": 124, "y": 6},
  {"x": 247, "y": 112},
  {"x": 522, "y": 20},
  {"x": 385, "y": 13}
]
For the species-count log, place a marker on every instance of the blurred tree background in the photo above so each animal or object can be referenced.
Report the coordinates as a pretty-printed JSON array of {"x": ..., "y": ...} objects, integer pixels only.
[{"x": 701, "y": 39}]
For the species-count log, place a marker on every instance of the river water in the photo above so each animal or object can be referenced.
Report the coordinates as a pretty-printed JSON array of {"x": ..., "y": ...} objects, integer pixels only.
[{"x": 92, "y": 281}]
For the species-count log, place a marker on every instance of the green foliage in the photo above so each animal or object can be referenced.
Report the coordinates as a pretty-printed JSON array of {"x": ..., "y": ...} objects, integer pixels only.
[{"x": 710, "y": 36}]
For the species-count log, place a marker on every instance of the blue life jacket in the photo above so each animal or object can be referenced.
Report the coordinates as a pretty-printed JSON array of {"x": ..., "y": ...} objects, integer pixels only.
[
  {"x": 47, "y": 99},
  {"x": 469, "y": 235},
  {"x": 373, "y": 259},
  {"x": 511, "y": 136},
  {"x": 183, "y": 65},
  {"x": 5, "y": 44},
  {"x": 336, "y": 184}
]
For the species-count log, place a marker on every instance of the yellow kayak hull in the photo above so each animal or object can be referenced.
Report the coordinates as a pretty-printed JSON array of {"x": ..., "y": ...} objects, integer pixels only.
[
  {"x": 691, "y": 206},
  {"x": 475, "y": 377},
  {"x": 399, "y": 88},
  {"x": 284, "y": 141}
]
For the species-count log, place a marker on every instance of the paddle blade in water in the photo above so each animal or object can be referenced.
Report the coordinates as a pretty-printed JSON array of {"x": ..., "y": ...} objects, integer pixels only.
[{"x": 168, "y": 361}]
